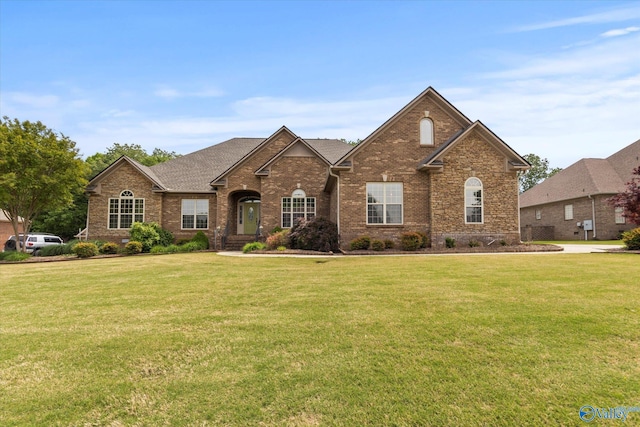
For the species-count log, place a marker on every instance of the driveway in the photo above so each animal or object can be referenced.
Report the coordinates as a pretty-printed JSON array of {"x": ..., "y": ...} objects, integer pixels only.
[{"x": 587, "y": 248}]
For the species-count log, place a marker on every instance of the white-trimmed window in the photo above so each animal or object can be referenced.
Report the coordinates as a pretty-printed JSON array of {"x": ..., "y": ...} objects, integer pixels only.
[
  {"x": 384, "y": 202},
  {"x": 125, "y": 211},
  {"x": 297, "y": 206},
  {"x": 195, "y": 213},
  {"x": 538, "y": 214},
  {"x": 474, "y": 212},
  {"x": 619, "y": 212},
  {"x": 426, "y": 131},
  {"x": 568, "y": 212}
]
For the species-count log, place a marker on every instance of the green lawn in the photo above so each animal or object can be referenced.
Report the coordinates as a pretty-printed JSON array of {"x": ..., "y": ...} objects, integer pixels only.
[{"x": 202, "y": 339}]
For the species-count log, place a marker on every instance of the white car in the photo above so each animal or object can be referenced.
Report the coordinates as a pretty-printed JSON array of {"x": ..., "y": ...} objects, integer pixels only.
[{"x": 34, "y": 242}]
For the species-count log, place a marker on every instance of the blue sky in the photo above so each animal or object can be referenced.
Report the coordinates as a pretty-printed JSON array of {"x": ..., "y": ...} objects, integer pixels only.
[{"x": 559, "y": 79}]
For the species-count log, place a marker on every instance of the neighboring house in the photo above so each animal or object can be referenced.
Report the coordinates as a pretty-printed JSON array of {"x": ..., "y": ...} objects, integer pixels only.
[
  {"x": 428, "y": 168},
  {"x": 6, "y": 229},
  {"x": 572, "y": 204}
]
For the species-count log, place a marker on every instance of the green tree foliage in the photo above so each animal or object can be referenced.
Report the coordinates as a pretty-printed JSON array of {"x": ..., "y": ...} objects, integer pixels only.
[
  {"x": 629, "y": 199},
  {"x": 39, "y": 170},
  {"x": 539, "y": 172},
  {"x": 99, "y": 161}
]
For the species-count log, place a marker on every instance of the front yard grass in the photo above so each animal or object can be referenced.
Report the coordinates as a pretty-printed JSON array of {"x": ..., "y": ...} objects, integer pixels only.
[{"x": 202, "y": 339}]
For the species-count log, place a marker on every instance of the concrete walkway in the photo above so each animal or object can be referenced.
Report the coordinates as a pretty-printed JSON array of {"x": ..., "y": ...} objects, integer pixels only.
[{"x": 568, "y": 249}]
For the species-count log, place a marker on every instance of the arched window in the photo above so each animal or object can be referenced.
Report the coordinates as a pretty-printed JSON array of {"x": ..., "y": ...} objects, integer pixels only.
[
  {"x": 426, "y": 131},
  {"x": 125, "y": 210},
  {"x": 297, "y": 206},
  {"x": 473, "y": 201}
]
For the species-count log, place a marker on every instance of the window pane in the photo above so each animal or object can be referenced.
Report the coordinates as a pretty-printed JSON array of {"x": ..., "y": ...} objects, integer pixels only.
[
  {"x": 375, "y": 193},
  {"x": 126, "y": 220},
  {"x": 393, "y": 193},
  {"x": 126, "y": 206},
  {"x": 426, "y": 132},
  {"x": 474, "y": 214},
  {"x": 187, "y": 221},
  {"x": 201, "y": 221},
  {"x": 202, "y": 207},
  {"x": 394, "y": 214},
  {"x": 374, "y": 214}
]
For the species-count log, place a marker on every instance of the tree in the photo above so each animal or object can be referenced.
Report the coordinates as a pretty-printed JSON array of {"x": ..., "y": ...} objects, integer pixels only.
[
  {"x": 39, "y": 170},
  {"x": 629, "y": 199},
  {"x": 538, "y": 172},
  {"x": 99, "y": 161}
]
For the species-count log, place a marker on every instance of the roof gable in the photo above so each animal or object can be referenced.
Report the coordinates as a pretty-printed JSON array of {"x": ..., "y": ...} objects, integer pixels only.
[
  {"x": 435, "y": 160},
  {"x": 245, "y": 158},
  {"x": 430, "y": 93},
  {"x": 146, "y": 171}
]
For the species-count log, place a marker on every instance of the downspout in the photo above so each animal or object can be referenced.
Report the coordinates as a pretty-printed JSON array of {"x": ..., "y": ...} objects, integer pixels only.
[
  {"x": 337, "y": 177},
  {"x": 593, "y": 214},
  {"x": 87, "y": 224}
]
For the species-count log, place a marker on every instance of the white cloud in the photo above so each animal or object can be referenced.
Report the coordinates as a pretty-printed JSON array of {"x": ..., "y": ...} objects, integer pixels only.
[
  {"x": 615, "y": 15},
  {"x": 33, "y": 101},
  {"x": 172, "y": 93},
  {"x": 620, "y": 32}
]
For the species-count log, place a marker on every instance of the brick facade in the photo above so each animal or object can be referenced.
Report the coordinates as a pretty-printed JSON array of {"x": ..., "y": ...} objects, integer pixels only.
[
  {"x": 552, "y": 215},
  {"x": 433, "y": 201}
]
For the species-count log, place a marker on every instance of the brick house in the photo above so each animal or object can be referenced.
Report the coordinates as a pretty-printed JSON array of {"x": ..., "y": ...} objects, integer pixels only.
[
  {"x": 572, "y": 204},
  {"x": 428, "y": 168},
  {"x": 6, "y": 228}
]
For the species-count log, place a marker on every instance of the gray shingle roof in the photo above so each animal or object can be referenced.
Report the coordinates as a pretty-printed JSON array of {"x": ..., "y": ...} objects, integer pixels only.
[
  {"x": 195, "y": 171},
  {"x": 586, "y": 177}
]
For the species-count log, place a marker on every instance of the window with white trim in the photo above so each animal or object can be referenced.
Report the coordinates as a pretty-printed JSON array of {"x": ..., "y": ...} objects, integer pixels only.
[
  {"x": 426, "y": 131},
  {"x": 473, "y": 202},
  {"x": 195, "y": 213},
  {"x": 619, "y": 213},
  {"x": 297, "y": 206},
  {"x": 384, "y": 202},
  {"x": 538, "y": 214},
  {"x": 125, "y": 211},
  {"x": 568, "y": 212}
]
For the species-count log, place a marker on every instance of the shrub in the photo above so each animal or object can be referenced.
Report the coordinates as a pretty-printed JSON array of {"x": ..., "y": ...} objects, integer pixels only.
[
  {"x": 146, "y": 233},
  {"x": 389, "y": 244},
  {"x": 281, "y": 238},
  {"x": 202, "y": 240},
  {"x": 253, "y": 246},
  {"x": 192, "y": 247},
  {"x": 166, "y": 238},
  {"x": 182, "y": 241},
  {"x": 377, "y": 245},
  {"x": 410, "y": 241},
  {"x": 360, "y": 243},
  {"x": 55, "y": 250},
  {"x": 133, "y": 247},
  {"x": 276, "y": 229},
  {"x": 450, "y": 242},
  {"x": 474, "y": 243},
  {"x": 631, "y": 239},
  {"x": 109, "y": 248},
  {"x": 503, "y": 242},
  {"x": 282, "y": 248},
  {"x": 85, "y": 249},
  {"x": 14, "y": 256},
  {"x": 318, "y": 234},
  {"x": 424, "y": 239}
]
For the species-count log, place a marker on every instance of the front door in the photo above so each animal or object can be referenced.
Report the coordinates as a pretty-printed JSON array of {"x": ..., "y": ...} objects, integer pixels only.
[{"x": 250, "y": 217}]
